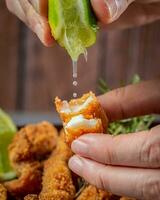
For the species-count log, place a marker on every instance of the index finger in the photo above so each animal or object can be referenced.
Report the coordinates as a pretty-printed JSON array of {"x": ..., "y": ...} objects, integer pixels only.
[
  {"x": 133, "y": 100},
  {"x": 135, "y": 150}
]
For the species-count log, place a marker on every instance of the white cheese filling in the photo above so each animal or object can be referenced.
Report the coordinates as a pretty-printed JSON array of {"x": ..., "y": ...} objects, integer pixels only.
[
  {"x": 79, "y": 121},
  {"x": 76, "y": 108}
]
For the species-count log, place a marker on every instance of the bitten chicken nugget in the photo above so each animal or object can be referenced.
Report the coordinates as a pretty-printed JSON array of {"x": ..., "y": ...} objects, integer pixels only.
[
  {"x": 92, "y": 193},
  {"x": 3, "y": 192},
  {"x": 81, "y": 116},
  {"x": 33, "y": 142},
  {"x": 57, "y": 179}
]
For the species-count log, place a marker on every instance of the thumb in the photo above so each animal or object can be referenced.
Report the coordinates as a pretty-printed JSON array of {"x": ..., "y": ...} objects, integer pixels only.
[{"x": 109, "y": 10}]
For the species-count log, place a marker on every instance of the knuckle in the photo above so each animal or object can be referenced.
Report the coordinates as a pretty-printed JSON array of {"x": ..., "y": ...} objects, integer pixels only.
[
  {"x": 151, "y": 189},
  {"x": 101, "y": 180},
  {"x": 150, "y": 151},
  {"x": 110, "y": 156}
]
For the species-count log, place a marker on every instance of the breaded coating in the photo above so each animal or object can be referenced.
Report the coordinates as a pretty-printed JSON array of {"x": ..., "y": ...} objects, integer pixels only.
[
  {"x": 87, "y": 105},
  {"x": 127, "y": 198},
  {"x": 3, "y": 192},
  {"x": 29, "y": 181},
  {"x": 57, "y": 179},
  {"x": 81, "y": 116},
  {"x": 31, "y": 197},
  {"x": 31, "y": 145},
  {"x": 79, "y": 125},
  {"x": 33, "y": 142},
  {"x": 92, "y": 193}
]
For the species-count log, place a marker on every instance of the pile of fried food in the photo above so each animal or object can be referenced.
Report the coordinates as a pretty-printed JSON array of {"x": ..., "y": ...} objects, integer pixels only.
[{"x": 39, "y": 154}]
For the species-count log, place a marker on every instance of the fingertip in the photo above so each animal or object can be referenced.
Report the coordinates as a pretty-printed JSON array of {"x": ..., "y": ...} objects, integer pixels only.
[
  {"x": 48, "y": 40},
  {"x": 44, "y": 34},
  {"x": 108, "y": 11},
  {"x": 101, "y": 10},
  {"x": 75, "y": 164}
]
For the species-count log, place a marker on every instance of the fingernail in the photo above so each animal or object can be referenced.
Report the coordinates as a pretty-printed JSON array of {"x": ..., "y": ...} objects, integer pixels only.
[
  {"x": 113, "y": 8},
  {"x": 79, "y": 147},
  {"x": 76, "y": 164},
  {"x": 39, "y": 31},
  {"x": 116, "y": 8}
]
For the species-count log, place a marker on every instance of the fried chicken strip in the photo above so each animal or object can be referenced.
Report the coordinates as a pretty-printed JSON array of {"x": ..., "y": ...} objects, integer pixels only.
[
  {"x": 126, "y": 198},
  {"x": 30, "y": 146},
  {"x": 31, "y": 197},
  {"x": 81, "y": 116},
  {"x": 29, "y": 181},
  {"x": 3, "y": 192},
  {"x": 57, "y": 179},
  {"x": 92, "y": 193}
]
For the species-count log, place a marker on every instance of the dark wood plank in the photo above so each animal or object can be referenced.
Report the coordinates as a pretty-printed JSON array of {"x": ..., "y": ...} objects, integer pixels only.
[
  {"x": 129, "y": 52},
  {"x": 31, "y": 75},
  {"x": 8, "y": 58},
  {"x": 116, "y": 57}
]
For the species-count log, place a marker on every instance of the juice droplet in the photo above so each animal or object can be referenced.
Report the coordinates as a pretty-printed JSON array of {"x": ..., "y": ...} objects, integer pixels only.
[
  {"x": 75, "y": 83},
  {"x": 74, "y": 64},
  {"x": 86, "y": 55},
  {"x": 75, "y": 95}
]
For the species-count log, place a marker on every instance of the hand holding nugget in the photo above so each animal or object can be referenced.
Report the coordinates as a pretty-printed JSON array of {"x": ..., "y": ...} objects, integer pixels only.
[{"x": 127, "y": 165}]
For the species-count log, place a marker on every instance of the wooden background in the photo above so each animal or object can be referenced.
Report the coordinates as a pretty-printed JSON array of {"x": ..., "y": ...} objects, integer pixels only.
[{"x": 32, "y": 75}]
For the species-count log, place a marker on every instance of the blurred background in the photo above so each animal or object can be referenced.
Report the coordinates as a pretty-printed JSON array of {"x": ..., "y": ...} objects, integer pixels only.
[{"x": 31, "y": 75}]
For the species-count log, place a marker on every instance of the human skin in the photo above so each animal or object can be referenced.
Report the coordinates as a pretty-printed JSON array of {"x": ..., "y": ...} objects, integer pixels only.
[
  {"x": 127, "y": 165},
  {"x": 114, "y": 14}
]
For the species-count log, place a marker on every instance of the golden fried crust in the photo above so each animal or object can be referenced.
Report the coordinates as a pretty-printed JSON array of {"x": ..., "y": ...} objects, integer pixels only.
[
  {"x": 29, "y": 181},
  {"x": 33, "y": 142},
  {"x": 3, "y": 192},
  {"x": 92, "y": 193},
  {"x": 31, "y": 197},
  {"x": 93, "y": 110},
  {"x": 57, "y": 180},
  {"x": 30, "y": 146},
  {"x": 74, "y": 133},
  {"x": 126, "y": 198}
]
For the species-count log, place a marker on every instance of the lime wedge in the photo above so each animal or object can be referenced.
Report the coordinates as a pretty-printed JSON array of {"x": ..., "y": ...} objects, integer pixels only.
[
  {"x": 73, "y": 25},
  {"x": 7, "y": 132}
]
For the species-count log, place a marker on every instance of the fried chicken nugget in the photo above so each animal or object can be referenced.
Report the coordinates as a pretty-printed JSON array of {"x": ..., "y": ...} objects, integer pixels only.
[
  {"x": 29, "y": 181},
  {"x": 31, "y": 197},
  {"x": 57, "y": 181},
  {"x": 92, "y": 193},
  {"x": 33, "y": 142},
  {"x": 81, "y": 116},
  {"x": 3, "y": 192},
  {"x": 31, "y": 145}
]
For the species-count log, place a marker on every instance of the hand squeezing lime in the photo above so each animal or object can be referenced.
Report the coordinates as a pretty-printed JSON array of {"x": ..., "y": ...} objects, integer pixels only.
[{"x": 73, "y": 25}]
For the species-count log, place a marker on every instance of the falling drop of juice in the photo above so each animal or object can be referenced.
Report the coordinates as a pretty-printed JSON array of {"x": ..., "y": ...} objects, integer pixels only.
[
  {"x": 75, "y": 83},
  {"x": 86, "y": 55},
  {"x": 75, "y": 95},
  {"x": 75, "y": 75},
  {"x": 74, "y": 65}
]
